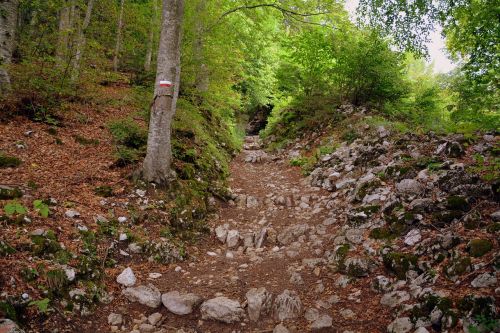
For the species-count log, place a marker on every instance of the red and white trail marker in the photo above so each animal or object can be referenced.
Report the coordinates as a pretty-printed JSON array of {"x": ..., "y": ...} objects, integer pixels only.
[{"x": 165, "y": 83}]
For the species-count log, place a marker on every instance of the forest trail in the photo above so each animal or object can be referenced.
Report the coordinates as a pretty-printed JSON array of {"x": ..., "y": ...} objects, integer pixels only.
[{"x": 273, "y": 236}]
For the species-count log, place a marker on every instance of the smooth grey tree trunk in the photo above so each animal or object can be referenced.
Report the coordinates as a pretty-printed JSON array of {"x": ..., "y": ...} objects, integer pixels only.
[
  {"x": 116, "y": 58},
  {"x": 80, "y": 42},
  {"x": 201, "y": 75},
  {"x": 151, "y": 37},
  {"x": 156, "y": 167},
  {"x": 8, "y": 23}
]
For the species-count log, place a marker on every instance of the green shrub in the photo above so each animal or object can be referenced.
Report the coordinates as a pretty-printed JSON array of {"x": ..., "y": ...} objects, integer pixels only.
[
  {"x": 128, "y": 133},
  {"x": 7, "y": 161}
]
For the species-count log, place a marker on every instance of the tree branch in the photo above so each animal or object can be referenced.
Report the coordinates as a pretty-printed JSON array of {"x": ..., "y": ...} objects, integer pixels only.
[{"x": 285, "y": 11}]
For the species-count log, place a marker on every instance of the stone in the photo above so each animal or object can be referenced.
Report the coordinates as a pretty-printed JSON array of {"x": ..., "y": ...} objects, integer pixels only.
[
  {"x": 221, "y": 233},
  {"x": 421, "y": 330},
  {"x": 496, "y": 216},
  {"x": 413, "y": 237},
  {"x": 126, "y": 278},
  {"x": 357, "y": 266},
  {"x": 252, "y": 202},
  {"x": 259, "y": 302},
  {"x": 233, "y": 238},
  {"x": 381, "y": 284},
  {"x": 180, "y": 304},
  {"x": 122, "y": 219},
  {"x": 292, "y": 232},
  {"x": 146, "y": 328},
  {"x": 409, "y": 187},
  {"x": 479, "y": 247},
  {"x": 484, "y": 280},
  {"x": 394, "y": 298},
  {"x": 296, "y": 278},
  {"x": 147, "y": 295},
  {"x": 400, "y": 325},
  {"x": 280, "y": 329},
  {"x": 115, "y": 319},
  {"x": 222, "y": 309},
  {"x": 324, "y": 321},
  {"x": 287, "y": 305},
  {"x": 311, "y": 314},
  {"x": 355, "y": 236},
  {"x": 154, "y": 318},
  {"x": 134, "y": 248},
  {"x": 8, "y": 326},
  {"x": 347, "y": 314},
  {"x": 71, "y": 213}
]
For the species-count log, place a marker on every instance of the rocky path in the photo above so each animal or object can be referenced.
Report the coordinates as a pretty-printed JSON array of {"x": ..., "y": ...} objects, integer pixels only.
[
  {"x": 264, "y": 270},
  {"x": 356, "y": 251}
]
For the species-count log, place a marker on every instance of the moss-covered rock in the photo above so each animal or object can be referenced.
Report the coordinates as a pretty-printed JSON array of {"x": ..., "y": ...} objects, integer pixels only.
[
  {"x": 7, "y": 161},
  {"x": 443, "y": 218},
  {"x": 479, "y": 247},
  {"x": 458, "y": 267},
  {"x": 9, "y": 193},
  {"x": 382, "y": 233},
  {"x": 399, "y": 263},
  {"x": 5, "y": 248},
  {"x": 457, "y": 202},
  {"x": 105, "y": 191}
]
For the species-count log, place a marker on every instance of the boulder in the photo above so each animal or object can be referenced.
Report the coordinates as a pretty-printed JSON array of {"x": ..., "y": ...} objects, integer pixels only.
[
  {"x": 400, "y": 325},
  {"x": 409, "y": 187},
  {"x": 222, "y": 309},
  {"x": 180, "y": 304},
  {"x": 485, "y": 280},
  {"x": 126, "y": 278},
  {"x": 324, "y": 321},
  {"x": 287, "y": 305},
  {"x": 147, "y": 295},
  {"x": 394, "y": 298},
  {"x": 259, "y": 302}
]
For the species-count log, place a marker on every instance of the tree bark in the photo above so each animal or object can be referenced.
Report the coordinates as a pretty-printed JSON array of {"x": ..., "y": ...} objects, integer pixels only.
[
  {"x": 156, "y": 167},
  {"x": 116, "y": 58},
  {"x": 201, "y": 75},
  {"x": 149, "y": 52},
  {"x": 64, "y": 32},
  {"x": 80, "y": 42},
  {"x": 8, "y": 23}
]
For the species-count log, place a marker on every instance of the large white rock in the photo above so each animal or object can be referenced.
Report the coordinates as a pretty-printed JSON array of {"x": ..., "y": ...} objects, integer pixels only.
[
  {"x": 221, "y": 233},
  {"x": 324, "y": 321},
  {"x": 180, "y": 304},
  {"x": 484, "y": 280},
  {"x": 400, "y": 325},
  {"x": 394, "y": 298},
  {"x": 222, "y": 309},
  {"x": 126, "y": 278},
  {"x": 409, "y": 186},
  {"x": 147, "y": 295},
  {"x": 115, "y": 319},
  {"x": 233, "y": 238},
  {"x": 287, "y": 305},
  {"x": 413, "y": 237},
  {"x": 259, "y": 302}
]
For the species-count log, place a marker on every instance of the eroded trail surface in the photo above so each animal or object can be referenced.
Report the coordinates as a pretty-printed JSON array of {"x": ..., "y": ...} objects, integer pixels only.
[{"x": 264, "y": 269}]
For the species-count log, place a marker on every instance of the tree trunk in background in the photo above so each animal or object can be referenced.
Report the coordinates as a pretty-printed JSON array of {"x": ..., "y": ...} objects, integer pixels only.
[
  {"x": 8, "y": 23},
  {"x": 156, "y": 167},
  {"x": 116, "y": 58},
  {"x": 64, "y": 32},
  {"x": 149, "y": 52},
  {"x": 80, "y": 42},
  {"x": 201, "y": 75}
]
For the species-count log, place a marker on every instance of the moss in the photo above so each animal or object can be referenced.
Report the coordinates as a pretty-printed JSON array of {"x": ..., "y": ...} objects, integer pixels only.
[
  {"x": 9, "y": 193},
  {"x": 366, "y": 188},
  {"x": 399, "y": 263},
  {"x": 45, "y": 244},
  {"x": 7, "y": 310},
  {"x": 382, "y": 233},
  {"x": 479, "y": 247},
  {"x": 475, "y": 306},
  {"x": 85, "y": 141},
  {"x": 52, "y": 131},
  {"x": 369, "y": 210},
  {"x": 458, "y": 266},
  {"x": 56, "y": 281},
  {"x": 5, "y": 248},
  {"x": 29, "y": 274},
  {"x": 7, "y": 161},
  {"x": 493, "y": 227},
  {"x": 456, "y": 202},
  {"x": 104, "y": 191},
  {"x": 444, "y": 218}
]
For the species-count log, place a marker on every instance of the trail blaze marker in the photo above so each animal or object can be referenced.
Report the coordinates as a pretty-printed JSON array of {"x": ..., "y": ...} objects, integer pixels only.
[{"x": 165, "y": 83}]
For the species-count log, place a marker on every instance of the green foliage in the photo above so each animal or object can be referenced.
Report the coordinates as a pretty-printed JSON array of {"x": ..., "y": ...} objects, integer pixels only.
[
  {"x": 42, "y": 208},
  {"x": 14, "y": 208},
  {"x": 7, "y": 161},
  {"x": 130, "y": 139},
  {"x": 41, "y": 305}
]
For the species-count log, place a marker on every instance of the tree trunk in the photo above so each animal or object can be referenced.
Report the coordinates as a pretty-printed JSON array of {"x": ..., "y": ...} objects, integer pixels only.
[
  {"x": 201, "y": 75},
  {"x": 158, "y": 159},
  {"x": 116, "y": 59},
  {"x": 149, "y": 52},
  {"x": 8, "y": 22},
  {"x": 80, "y": 42},
  {"x": 64, "y": 33}
]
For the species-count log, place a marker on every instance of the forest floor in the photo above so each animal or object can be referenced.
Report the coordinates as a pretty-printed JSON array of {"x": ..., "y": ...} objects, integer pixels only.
[{"x": 311, "y": 242}]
